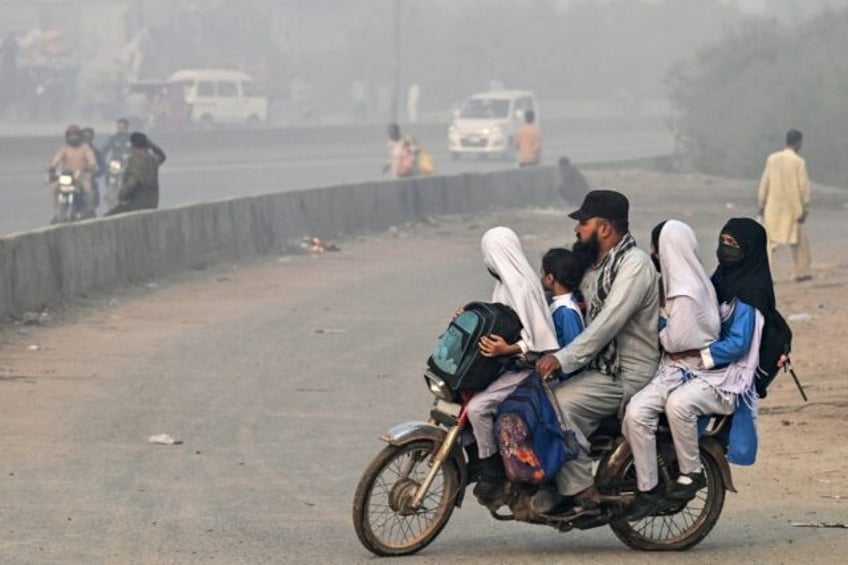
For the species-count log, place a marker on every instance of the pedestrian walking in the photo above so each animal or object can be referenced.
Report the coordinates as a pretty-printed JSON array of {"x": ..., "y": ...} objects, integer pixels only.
[{"x": 784, "y": 200}]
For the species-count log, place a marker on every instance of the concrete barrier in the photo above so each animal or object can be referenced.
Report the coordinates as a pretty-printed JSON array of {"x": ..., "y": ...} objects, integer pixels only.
[{"x": 44, "y": 267}]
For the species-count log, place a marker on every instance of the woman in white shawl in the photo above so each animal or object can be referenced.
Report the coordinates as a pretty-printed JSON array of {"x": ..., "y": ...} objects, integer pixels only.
[
  {"x": 690, "y": 321},
  {"x": 516, "y": 285}
]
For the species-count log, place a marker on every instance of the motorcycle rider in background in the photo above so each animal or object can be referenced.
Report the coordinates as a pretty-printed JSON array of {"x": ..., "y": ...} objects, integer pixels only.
[
  {"x": 77, "y": 157},
  {"x": 118, "y": 146},
  {"x": 88, "y": 136},
  {"x": 116, "y": 154}
]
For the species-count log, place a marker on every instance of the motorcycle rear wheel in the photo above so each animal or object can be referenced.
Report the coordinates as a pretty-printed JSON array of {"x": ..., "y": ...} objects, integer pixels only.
[
  {"x": 382, "y": 518},
  {"x": 681, "y": 528}
]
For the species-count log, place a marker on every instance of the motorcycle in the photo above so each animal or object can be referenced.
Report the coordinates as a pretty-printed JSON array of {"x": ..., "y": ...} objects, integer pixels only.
[
  {"x": 409, "y": 491},
  {"x": 71, "y": 197},
  {"x": 114, "y": 178}
]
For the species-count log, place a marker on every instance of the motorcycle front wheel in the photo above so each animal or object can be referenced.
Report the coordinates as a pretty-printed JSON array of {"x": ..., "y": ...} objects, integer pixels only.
[
  {"x": 675, "y": 528},
  {"x": 66, "y": 212},
  {"x": 111, "y": 196},
  {"x": 383, "y": 518}
]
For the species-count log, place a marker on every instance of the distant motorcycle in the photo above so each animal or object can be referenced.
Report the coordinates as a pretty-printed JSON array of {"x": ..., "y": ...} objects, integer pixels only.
[
  {"x": 71, "y": 197},
  {"x": 114, "y": 178},
  {"x": 409, "y": 491}
]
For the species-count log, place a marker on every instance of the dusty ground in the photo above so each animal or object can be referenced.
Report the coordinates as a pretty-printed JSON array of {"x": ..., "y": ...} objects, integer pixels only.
[{"x": 278, "y": 376}]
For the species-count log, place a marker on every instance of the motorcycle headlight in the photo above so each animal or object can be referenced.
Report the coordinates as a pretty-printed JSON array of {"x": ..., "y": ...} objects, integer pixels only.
[
  {"x": 115, "y": 166},
  {"x": 66, "y": 180},
  {"x": 438, "y": 387}
]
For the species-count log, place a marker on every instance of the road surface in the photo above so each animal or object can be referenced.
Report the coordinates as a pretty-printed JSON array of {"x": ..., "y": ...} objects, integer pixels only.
[{"x": 279, "y": 375}]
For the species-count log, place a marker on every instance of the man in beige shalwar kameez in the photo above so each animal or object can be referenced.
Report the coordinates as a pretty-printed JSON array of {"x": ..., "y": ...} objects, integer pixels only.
[{"x": 784, "y": 198}]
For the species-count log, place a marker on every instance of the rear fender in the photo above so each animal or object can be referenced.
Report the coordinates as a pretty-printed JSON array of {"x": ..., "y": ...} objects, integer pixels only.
[
  {"x": 716, "y": 451},
  {"x": 611, "y": 464},
  {"x": 409, "y": 432}
]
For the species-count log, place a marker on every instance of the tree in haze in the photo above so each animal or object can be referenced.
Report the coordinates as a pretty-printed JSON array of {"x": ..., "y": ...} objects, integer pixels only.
[
  {"x": 733, "y": 102},
  {"x": 584, "y": 49}
]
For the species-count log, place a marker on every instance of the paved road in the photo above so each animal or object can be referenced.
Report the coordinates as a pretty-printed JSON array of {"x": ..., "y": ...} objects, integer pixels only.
[
  {"x": 241, "y": 163},
  {"x": 278, "y": 419}
]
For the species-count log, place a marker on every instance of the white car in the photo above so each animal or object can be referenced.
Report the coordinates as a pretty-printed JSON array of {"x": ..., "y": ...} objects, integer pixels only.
[
  {"x": 486, "y": 123},
  {"x": 219, "y": 96}
]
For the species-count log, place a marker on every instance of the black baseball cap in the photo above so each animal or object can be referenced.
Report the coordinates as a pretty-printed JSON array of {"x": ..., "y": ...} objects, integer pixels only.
[{"x": 607, "y": 204}]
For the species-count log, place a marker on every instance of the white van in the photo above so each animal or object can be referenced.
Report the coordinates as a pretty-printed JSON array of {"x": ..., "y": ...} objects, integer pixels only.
[
  {"x": 219, "y": 96},
  {"x": 486, "y": 122}
]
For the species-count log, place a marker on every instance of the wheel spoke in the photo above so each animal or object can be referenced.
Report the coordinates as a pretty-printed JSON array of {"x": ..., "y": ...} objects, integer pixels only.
[{"x": 665, "y": 526}]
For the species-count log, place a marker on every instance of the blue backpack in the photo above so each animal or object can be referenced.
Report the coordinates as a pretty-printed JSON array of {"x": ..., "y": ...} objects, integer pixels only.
[{"x": 532, "y": 440}]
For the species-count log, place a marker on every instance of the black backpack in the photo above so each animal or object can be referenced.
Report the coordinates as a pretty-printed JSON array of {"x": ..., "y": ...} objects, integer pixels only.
[
  {"x": 775, "y": 342},
  {"x": 456, "y": 358}
]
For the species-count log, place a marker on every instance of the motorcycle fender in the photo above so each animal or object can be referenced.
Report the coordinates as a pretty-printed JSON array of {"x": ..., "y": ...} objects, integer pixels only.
[
  {"x": 716, "y": 451},
  {"x": 408, "y": 432},
  {"x": 611, "y": 464}
]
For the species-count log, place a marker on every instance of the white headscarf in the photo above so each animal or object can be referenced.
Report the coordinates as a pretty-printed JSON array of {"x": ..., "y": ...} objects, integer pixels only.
[
  {"x": 684, "y": 275},
  {"x": 519, "y": 287}
]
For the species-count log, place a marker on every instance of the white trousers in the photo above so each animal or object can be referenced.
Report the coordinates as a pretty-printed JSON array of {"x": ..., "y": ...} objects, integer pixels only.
[
  {"x": 483, "y": 408},
  {"x": 683, "y": 404}
]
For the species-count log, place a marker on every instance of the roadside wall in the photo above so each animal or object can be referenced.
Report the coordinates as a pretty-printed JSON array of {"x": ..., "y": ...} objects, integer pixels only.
[{"x": 47, "y": 266}]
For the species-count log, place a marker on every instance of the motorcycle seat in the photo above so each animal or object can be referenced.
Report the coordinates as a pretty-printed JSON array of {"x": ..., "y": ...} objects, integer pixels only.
[{"x": 608, "y": 427}]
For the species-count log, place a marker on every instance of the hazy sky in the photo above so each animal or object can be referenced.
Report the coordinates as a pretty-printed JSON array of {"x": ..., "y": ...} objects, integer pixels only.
[{"x": 562, "y": 49}]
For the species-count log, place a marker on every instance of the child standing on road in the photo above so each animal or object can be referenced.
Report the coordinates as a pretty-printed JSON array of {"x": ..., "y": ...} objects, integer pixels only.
[{"x": 561, "y": 274}]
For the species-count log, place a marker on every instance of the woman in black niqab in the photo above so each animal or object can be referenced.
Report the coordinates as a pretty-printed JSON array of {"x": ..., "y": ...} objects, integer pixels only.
[{"x": 749, "y": 279}]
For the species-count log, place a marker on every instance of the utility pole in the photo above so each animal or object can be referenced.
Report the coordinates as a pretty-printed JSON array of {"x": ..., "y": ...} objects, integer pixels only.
[{"x": 396, "y": 85}]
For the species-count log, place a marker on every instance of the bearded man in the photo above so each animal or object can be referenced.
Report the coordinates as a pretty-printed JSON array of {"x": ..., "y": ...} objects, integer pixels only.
[{"x": 617, "y": 351}]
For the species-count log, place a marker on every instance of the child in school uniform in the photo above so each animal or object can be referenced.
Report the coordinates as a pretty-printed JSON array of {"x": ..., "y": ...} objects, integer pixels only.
[{"x": 561, "y": 274}]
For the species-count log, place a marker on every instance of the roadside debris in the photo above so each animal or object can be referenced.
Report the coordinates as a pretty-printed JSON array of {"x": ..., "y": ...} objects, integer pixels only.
[
  {"x": 819, "y": 525},
  {"x": 33, "y": 348},
  {"x": 314, "y": 245},
  {"x": 163, "y": 439},
  {"x": 35, "y": 318},
  {"x": 330, "y": 331},
  {"x": 800, "y": 317}
]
